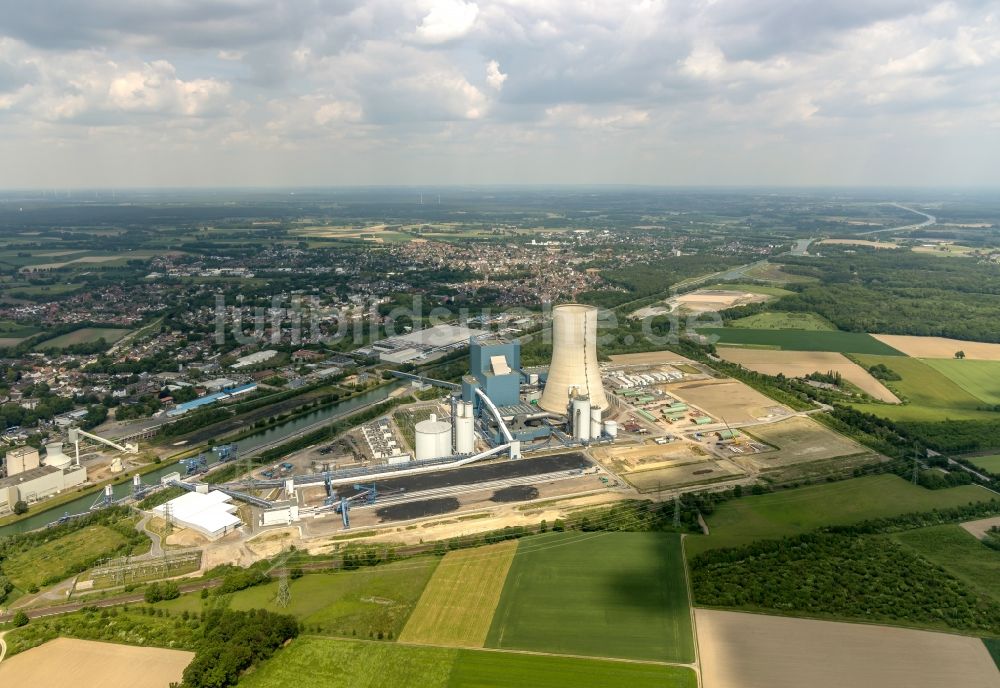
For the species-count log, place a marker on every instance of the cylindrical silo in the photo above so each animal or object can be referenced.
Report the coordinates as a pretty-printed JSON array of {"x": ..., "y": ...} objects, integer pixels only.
[
  {"x": 432, "y": 439},
  {"x": 581, "y": 418},
  {"x": 611, "y": 428},
  {"x": 595, "y": 422},
  {"x": 465, "y": 433},
  {"x": 574, "y": 364}
]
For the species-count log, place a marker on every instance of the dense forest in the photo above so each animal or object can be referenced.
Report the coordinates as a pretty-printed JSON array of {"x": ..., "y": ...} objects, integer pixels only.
[
  {"x": 898, "y": 292},
  {"x": 868, "y": 578}
]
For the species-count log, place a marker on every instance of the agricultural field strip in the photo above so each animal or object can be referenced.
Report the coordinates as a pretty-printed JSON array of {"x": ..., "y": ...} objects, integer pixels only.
[
  {"x": 582, "y": 599},
  {"x": 457, "y": 606},
  {"x": 741, "y": 650},
  {"x": 940, "y": 347},
  {"x": 981, "y": 379},
  {"x": 801, "y": 340},
  {"x": 346, "y": 663}
]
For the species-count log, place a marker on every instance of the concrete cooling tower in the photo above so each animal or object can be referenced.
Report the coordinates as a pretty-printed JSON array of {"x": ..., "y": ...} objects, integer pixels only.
[{"x": 574, "y": 370}]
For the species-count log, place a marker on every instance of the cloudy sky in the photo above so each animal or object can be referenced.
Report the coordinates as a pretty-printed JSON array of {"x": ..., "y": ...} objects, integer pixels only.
[{"x": 310, "y": 92}]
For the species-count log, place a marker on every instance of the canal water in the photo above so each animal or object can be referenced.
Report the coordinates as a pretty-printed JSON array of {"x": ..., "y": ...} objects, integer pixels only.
[{"x": 271, "y": 435}]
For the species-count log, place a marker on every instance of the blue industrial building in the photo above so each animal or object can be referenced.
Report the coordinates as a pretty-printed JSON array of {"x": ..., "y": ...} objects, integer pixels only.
[{"x": 495, "y": 367}]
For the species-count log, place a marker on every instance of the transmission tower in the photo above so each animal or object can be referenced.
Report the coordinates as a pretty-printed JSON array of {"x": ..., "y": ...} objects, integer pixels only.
[
  {"x": 916, "y": 462},
  {"x": 677, "y": 511},
  {"x": 284, "y": 595},
  {"x": 168, "y": 519}
]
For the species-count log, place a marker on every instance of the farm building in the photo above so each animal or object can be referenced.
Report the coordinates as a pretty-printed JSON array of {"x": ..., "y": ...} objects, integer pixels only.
[{"x": 209, "y": 513}]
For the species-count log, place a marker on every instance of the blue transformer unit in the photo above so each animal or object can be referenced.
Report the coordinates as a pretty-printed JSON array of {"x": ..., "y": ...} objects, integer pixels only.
[{"x": 495, "y": 366}]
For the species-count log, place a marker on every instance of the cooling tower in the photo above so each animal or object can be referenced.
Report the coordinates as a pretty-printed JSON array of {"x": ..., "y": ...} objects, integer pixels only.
[{"x": 574, "y": 368}]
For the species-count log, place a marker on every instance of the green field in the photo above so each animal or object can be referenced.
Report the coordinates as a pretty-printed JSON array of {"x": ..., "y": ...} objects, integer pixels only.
[
  {"x": 800, "y": 340},
  {"x": 311, "y": 661},
  {"x": 61, "y": 555},
  {"x": 993, "y": 645},
  {"x": 988, "y": 463},
  {"x": 981, "y": 379},
  {"x": 752, "y": 288},
  {"x": 599, "y": 594},
  {"x": 784, "y": 321},
  {"x": 81, "y": 336},
  {"x": 959, "y": 553},
  {"x": 763, "y": 517},
  {"x": 11, "y": 329},
  {"x": 928, "y": 393},
  {"x": 359, "y": 603}
]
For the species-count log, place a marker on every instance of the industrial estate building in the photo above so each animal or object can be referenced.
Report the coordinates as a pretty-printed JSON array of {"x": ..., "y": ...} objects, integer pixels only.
[{"x": 210, "y": 513}]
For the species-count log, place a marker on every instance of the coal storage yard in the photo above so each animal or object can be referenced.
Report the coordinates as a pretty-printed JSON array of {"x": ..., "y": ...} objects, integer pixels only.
[{"x": 475, "y": 474}]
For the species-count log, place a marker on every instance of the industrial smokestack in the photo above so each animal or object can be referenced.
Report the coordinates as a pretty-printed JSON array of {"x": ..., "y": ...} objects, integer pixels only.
[{"x": 574, "y": 367}]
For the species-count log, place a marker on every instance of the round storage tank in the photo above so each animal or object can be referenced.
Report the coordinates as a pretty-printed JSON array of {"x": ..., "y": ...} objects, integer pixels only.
[
  {"x": 595, "y": 422},
  {"x": 611, "y": 428},
  {"x": 465, "y": 432},
  {"x": 433, "y": 439}
]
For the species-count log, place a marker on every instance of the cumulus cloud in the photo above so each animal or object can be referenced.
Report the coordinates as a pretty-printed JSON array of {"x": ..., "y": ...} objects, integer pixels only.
[
  {"x": 447, "y": 20},
  {"x": 494, "y": 77},
  {"x": 734, "y": 78}
]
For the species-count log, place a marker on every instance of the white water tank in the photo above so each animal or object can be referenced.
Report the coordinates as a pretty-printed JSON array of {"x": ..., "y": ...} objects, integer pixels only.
[
  {"x": 580, "y": 410},
  {"x": 54, "y": 456},
  {"x": 433, "y": 439},
  {"x": 574, "y": 359},
  {"x": 595, "y": 422},
  {"x": 611, "y": 428},
  {"x": 465, "y": 432}
]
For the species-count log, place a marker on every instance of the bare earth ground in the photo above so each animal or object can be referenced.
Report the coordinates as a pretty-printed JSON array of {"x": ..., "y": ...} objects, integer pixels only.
[
  {"x": 707, "y": 301},
  {"x": 940, "y": 347},
  {"x": 757, "y": 651},
  {"x": 728, "y": 400},
  {"x": 625, "y": 459},
  {"x": 800, "y": 439},
  {"x": 649, "y": 358},
  {"x": 70, "y": 663},
  {"x": 802, "y": 363},
  {"x": 978, "y": 528}
]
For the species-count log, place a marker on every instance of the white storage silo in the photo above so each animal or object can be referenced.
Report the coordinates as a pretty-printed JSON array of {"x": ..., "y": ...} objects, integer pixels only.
[
  {"x": 465, "y": 433},
  {"x": 595, "y": 422},
  {"x": 611, "y": 428},
  {"x": 574, "y": 359},
  {"x": 581, "y": 418},
  {"x": 433, "y": 439}
]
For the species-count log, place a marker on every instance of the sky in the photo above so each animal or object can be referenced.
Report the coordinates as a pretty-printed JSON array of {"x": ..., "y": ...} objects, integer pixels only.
[{"x": 113, "y": 93}]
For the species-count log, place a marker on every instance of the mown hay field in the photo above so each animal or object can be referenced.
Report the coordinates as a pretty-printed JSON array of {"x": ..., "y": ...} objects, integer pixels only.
[{"x": 457, "y": 605}]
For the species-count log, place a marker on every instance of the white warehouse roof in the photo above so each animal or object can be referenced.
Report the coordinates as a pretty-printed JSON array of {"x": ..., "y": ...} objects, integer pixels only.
[{"x": 209, "y": 513}]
